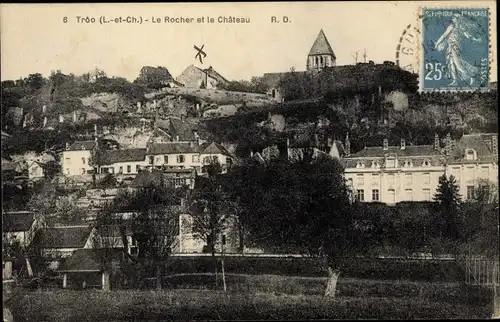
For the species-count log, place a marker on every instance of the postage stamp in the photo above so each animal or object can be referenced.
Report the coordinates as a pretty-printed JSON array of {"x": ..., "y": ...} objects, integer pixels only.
[{"x": 455, "y": 49}]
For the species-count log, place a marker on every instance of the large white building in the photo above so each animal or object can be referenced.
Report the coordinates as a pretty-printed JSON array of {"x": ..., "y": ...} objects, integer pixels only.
[{"x": 392, "y": 174}]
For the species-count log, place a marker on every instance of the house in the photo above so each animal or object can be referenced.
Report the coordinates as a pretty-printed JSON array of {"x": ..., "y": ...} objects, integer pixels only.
[
  {"x": 196, "y": 77},
  {"x": 59, "y": 242},
  {"x": 175, "y": 129},
  {"x": 174, "y": 155},
  {"x": 76, "y": 158},
  {"x": 473, "y": 161},
  {"x": 392, "y": 174},
  {"x": 19, "y": 225},
  {"x": 84, "y": 268},
  {"x": 129, "y": 161},
  {"x": 215, "y": 152}
]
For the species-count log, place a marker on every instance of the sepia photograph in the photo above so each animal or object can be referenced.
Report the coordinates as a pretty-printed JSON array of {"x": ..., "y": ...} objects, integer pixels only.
[{"x": 249, "y": 161}]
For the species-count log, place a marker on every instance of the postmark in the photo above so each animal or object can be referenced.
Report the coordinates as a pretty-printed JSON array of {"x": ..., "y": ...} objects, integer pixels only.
[{"x": 455, "y": 47}]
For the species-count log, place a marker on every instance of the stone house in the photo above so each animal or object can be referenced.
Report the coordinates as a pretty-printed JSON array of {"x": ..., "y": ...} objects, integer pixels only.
[{"x": 195, "y": 77}]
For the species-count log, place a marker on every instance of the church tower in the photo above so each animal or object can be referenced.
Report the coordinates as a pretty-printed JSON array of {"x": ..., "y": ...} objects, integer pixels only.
[{"x": 321, "y": 54}]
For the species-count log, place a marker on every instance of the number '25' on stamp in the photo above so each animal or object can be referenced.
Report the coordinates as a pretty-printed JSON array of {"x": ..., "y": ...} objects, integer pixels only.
[{"x": 455, "y": 49}]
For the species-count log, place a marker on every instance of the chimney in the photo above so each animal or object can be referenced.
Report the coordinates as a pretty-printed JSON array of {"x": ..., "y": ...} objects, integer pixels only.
[
  {"x": 67, "y": 145},
  {"x": 44, "y": 121},
  {"x": 251, "y": 153},
  {"x": 177, "y": 138},
  {"x": 61, "y": 118},
  {"x": 447, "y": 147},
  {"x": 74, "y": 116},
  {"x": 386, "y": 144},
  {"x": 494, "y": 144},
  {"x": 436, "y": 141},
  {"x": 403, "y": 144},
  {"x": 95, "y": 130},
  {"x": 347, "y": 145},
  {"x": 44, "y": 109}
]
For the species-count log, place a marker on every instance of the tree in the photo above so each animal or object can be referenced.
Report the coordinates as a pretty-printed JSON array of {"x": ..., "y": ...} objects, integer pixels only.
[
  {"x": 34, "y": 82},
  {"x": 300, "y": 207},
  {"x": 211, "y": 209},
  {"x": 447, "y": 198},
  {"x": 154, "y": 224}
]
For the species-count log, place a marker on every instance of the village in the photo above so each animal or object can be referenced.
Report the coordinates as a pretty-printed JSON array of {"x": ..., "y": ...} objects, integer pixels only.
[{"x": 162, "y": 145}]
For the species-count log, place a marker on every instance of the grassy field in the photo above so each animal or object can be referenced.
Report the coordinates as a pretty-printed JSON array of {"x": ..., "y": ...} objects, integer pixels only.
[{"x": 257, "y": 297}]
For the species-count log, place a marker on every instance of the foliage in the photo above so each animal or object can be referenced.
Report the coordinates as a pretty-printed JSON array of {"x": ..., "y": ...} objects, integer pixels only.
[
  {"x": 447, "y": 198},
  {"x": 155, "y": 227},
  {"x": 108, "y": 182},
  {"x": 296, "y": 207},
  {"x": 255, "y": 85}
]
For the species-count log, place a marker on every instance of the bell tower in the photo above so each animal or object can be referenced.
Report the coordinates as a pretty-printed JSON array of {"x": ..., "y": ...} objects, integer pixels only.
[{"x": 321, "y": 54}]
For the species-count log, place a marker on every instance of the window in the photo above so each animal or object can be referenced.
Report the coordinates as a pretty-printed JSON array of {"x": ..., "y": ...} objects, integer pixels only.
[
  {"x": 157, "y": 161},
  {"x": 484, "y": 172},
  {"x": 391, "y": 181},
  {"x": 82, "y": 171},
  {"x": 408, "y": 164},
  {"x": 375, "y": 164},
  {"x": 408, "y": 179},
  {"x": 427, "y": 178},
  {"x": 137, "y": 168},
  {"x": 229, "y": 161},
  {"x": 390, "y": 163},
  {"x": 360, "y": 180},
  {"x": 409, "y": 195},
  {"x": 129, "y": 168},
  {"x": 274, "y": 93},
  {"x": 426, "y": 163},
  {"x": 426, "y": 194},
  {"x": 360, "y": 195},
  {"x": 180, "y": 158},
  {"x": 469, "y": 174},
  {"x": 470, "y": 192},
  {"x": 375, "y": 179},
  {"x": 151, "y": 160},
  {"x": 83, "y": 160},
  {"x": 470, "y": 154},
  {"x": 67, "y": 160},
  {"x": 375, "y": 195},
  {"x": 196, "y": 158},
  {"x": 67, "y": 171},
  {"x": 121, "y": 170},
  {"x": 215, "y": 159},
  {"x": 391, "y": 196},
  {"x": 165, "y": 159},
  {"x": 360, "y": 164}
]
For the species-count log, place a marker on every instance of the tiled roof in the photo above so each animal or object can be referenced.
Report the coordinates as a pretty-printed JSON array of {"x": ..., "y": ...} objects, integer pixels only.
[
  {"x": 17, "y": 221},
  {"x": 86, "y": 260},
  {"x": 321, "y": 46},
  {"x": 128, "y": 155},
  {"x": 212, "y": 73},
  {"x": 81, "y": 145},
  {"x": 214, "y": 148},
  {"x": 182, "y": 129},
  {"x": 173, "y": 148},
  {"x": 64, "y": 237},
  {"x": 409, "y": 151},
  {"x": 481, "y": 143},
  {"x": 146, "y": 178}
]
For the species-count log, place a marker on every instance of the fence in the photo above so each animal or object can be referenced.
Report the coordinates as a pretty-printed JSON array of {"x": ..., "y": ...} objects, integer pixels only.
[{"x": 484, "y": 272}]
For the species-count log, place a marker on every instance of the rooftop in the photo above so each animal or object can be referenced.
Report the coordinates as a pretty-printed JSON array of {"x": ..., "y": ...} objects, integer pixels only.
[
  {"x": 128, "y": 155},
  {"x": 81, "y": 145},
  {"x": 321, "y": 46},
  {"x": 18, "y": 221},
  {"x": 64, "y": 237}
]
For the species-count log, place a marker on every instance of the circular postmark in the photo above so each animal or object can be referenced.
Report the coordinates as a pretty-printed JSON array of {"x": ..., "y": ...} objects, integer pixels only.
[{"x": 407, "y": 49}]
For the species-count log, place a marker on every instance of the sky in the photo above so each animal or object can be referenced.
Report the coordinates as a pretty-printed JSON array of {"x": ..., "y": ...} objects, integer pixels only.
[{"x": 36, "y": 39}]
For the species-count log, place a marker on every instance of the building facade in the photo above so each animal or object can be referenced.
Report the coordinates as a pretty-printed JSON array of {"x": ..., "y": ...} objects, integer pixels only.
[
  {"x": 473, "y": 161},
  {"x": 321, "y": 54},
  {"x": 392, "y": 174},
  {"x": 76, "y": 158}
]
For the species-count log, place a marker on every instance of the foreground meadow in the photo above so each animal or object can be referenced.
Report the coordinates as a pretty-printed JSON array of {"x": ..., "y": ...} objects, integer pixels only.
[{"x": 265, "y": 297}]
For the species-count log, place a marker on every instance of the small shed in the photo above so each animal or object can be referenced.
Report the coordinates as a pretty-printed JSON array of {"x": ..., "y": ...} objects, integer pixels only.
[{"x": 84, "y": 268}]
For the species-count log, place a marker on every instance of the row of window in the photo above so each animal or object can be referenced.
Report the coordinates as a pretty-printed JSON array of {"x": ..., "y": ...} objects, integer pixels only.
[
  {"x": 182, "y": 158},
  {"x": 391, "y": 163},
  {"x": 391, "y": 195},
  {"x": 426, "y": 194},
  {"x": 408, "y": 179}
]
